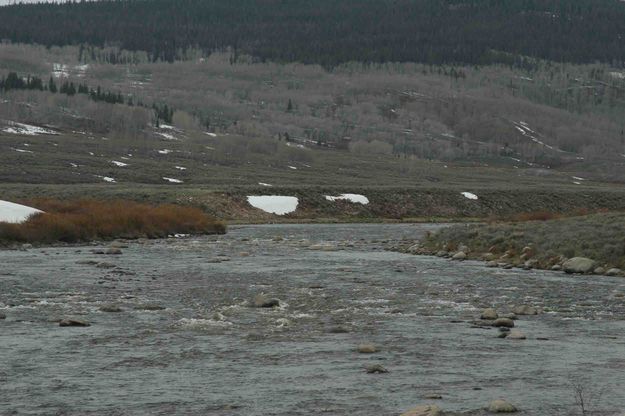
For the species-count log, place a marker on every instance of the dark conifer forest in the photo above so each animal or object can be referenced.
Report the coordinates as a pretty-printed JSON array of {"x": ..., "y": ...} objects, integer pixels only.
[{"x": 331, "y": 32}]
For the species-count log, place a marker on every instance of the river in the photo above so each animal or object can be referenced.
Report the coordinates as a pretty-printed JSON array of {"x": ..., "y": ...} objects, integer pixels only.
[{"x": 188, "y": 342}]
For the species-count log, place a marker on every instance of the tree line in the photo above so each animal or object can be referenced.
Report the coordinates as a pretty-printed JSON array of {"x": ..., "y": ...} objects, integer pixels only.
[
  {"x": 332, "y": 32},
  {"x": 12, "y": 81}
]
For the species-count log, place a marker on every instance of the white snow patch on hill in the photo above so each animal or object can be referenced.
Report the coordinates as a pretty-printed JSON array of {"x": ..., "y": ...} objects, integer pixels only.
[
  {"x": 292, "y": 167},
  {"x": 180, "y": 167},
  {"x": 274, "y": 204},
  {"x": 15, "y": 213},
  {"x": 469, "y": 195},
  {"x": 355, "y": 198},
  {"x": 210, "y": 134},
  {"x": 27, "y": 129},
  {"x": 172, "y": 180},
  {"x": 164, "y": 152},
  {"x": 119, "y": 164},
  {"x": 264, "y": 184}
]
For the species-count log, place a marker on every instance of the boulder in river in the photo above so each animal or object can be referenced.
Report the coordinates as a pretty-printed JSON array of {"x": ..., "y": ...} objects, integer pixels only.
[
  {"x": 2, "y": 315},
  {"x": 263, "y": 301},
  {"x": 525, "y": 310},
  {"x": 501, "y": 406},
  {"x": 516, "y": 334},
  {"x": 73, "y": 322},
  {"x": 367, "y": 349},
  {"x": 599, "y": 271},
  {"x": 461, "y": 255},
  {"x": 110, "y": 308},
  {"x": 581, "y": 265},
  {"x": 489, "y": 314},
  {"x": 503, "y": 322},
  {"x": 492, "y": 264},
  {"x": 376, "y": 369},
  {"x": 113, "y": 251},
  {"x": 556, "y": 267},
  {"x": 424, "y": 410},
  {"x": 614, "y": 272}
]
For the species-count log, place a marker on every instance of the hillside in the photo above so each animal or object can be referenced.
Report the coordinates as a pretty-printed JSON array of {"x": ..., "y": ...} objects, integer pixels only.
[{"x": 330, "y": 32}]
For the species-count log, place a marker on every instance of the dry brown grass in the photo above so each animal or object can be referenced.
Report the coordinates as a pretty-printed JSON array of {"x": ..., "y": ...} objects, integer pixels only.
[{"x": 87, "y": 220}]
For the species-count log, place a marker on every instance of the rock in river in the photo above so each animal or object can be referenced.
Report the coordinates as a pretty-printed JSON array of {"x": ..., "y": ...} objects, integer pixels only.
[
  {"x": 110, "y": 308},
  {"x": 503, "y": 322},
  {"x": 516, "y": 334},
  {"x": 614, "y": 272},
  {"x": 73, "y": 322},
  {"x": 490, "y": 314},
  {"x": 2, "y": 316},
  {"x": 579, "y": 265},
  {"x": 367, "y": 349},
  {"x": 262, "y": 301},
  {"x": 501, "y": 406},
  {"x": 426, "y": 410},
  {"x": 376, "y": 369},
  {"x": 525, "y": 310}
]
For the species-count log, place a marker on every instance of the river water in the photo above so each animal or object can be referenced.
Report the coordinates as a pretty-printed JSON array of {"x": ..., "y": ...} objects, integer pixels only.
[{"x": 188, "y": 342}]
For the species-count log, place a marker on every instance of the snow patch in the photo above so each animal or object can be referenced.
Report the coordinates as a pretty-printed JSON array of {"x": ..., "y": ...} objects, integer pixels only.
[
  {"x": 265, "y": 184},
  {"x": 164, "y": 152},
  {"x": 27, "y": 129},
  {"x": 274, "y": 204},
  {"x": 469, "y": 195},
  {"x": 355, "y": 198},
  {"x": 172, "y": 180},
  {"x": 180, "y": 167},
  {"x": 106, "y": 178},
  {"x": 167, "y": 136},
  {"x": 15, "y": 213},
  {"x": 210, "y": 134},
  {"x": 292, "y": 167},
  {"x": 119, "y": 164}
]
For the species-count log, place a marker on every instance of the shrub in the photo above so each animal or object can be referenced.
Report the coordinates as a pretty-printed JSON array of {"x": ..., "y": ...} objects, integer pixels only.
[{"x": 86, "y": 220}]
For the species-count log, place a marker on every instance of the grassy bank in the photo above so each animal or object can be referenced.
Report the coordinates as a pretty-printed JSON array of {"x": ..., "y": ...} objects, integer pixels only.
[
  {"x": 543, "y": 244},
  {"x": 86, "y": 220},
  {"x": 397, "y": 204}
]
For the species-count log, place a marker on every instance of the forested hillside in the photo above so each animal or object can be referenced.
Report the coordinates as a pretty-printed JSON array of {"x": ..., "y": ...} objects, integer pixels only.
[{"x": 330, "y": 32}]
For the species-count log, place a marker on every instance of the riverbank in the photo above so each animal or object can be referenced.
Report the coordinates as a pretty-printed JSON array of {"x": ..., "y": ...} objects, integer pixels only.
[
  {"x": 589, "y": 244},
  {"x": 446, "y": 203},
  {"x": 50, "y": 221}
]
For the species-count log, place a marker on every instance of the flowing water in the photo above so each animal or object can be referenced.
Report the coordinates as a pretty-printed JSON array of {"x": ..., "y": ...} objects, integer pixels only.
[{"x": 188, "y": 342}]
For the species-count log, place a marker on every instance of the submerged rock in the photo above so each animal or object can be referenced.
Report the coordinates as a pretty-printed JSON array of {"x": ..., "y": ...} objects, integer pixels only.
[
  {"x": 2, "y": 315},
  {"x": 525, "y": 310},
  {"x": 73, "y": 322},
  {"x": 376, "y": 369},
  {"x": 501, "y": 406},
  {"x": 113, "y": 251},
  {"x": 149, "y": 307},
  {"x": 516, "y": 334},
  {"x": 424, "y": 410},
  {"x": 262, "y": 301},
  {"x": 110, "y": 308},
  {"x": 581, "y": 265}
]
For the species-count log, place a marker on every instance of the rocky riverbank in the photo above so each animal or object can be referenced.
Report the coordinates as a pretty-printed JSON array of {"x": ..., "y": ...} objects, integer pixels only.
[{"x": 589, "y": 244}]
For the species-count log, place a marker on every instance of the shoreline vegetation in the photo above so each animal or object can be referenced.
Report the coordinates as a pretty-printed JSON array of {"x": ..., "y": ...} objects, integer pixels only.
[
  {"x": 586, "y": 244},
  {"x": 85, "y": 220}
]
